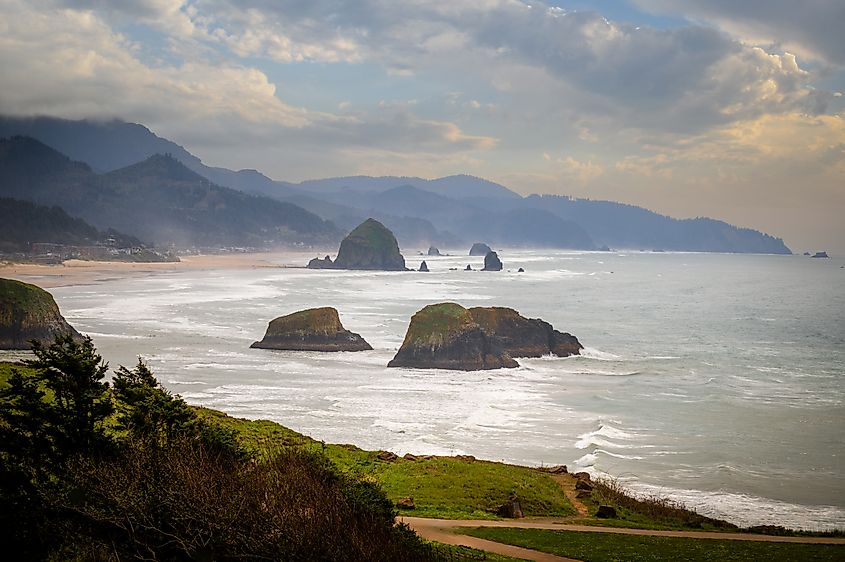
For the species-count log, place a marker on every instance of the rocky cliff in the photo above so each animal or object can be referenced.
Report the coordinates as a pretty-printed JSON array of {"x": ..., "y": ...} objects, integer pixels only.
[
  {"x": 29, "y": 313},
  {"x": 523, "y": 337},
  {"x": 445, "y": 336},
  {"x": 315, "y": 329},
  {"x": 370, "y": 246}
]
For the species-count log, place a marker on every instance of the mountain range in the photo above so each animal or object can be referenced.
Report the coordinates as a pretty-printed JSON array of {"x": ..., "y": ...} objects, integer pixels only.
[
  {"x": 158, "y": 200},
  {"x": 449, "y": 211}
]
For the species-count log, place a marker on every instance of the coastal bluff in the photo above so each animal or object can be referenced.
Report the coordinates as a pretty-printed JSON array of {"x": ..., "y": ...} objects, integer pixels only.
[
  {"x": 314, "y": 329},
  {"x": 370, "y": 246},
  {"x": 28, "y": 312}
]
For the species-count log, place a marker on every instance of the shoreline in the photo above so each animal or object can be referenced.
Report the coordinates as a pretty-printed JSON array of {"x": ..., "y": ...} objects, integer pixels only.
[{"x": 83, "y": 272}]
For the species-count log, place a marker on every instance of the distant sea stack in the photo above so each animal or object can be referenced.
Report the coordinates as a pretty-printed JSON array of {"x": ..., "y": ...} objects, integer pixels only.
[
  {"x": 479, "y": 249},
  {"x": 315, "y": 329},
  {"x": 29, "y": 313},
  {"x": 523, "y": 337},
  {"x": 492, "y": 262},
  {"x": 445, "y": 336},
  {"x": 432, "y": 251},
  {"x": 371, "y": 246}
]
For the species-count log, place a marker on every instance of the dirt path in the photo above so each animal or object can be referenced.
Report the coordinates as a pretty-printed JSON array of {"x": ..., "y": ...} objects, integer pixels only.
[
  {"x": 434, "y": 530},
  {"x": 567, "y": 484},
  {"x": 443, "y": 530}
]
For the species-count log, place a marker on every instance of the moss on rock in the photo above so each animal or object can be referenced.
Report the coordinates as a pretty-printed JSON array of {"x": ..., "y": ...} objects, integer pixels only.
[
  {"x": 370, "y": 246},
  {"x": 445, "y": 336},
  {"x": 28, "y": 312},
  {"x": 315, "y": 329}
]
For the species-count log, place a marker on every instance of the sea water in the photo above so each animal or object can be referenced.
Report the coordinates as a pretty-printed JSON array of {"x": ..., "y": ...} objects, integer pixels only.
[{"x": 716, "y": 380}]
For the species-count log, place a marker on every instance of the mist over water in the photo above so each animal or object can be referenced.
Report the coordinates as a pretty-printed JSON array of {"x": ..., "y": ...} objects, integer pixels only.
[{"x": 714, "y": 379}]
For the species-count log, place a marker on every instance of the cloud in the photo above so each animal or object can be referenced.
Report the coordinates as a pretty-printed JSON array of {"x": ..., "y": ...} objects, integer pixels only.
[{"x": 812, "y": 28}]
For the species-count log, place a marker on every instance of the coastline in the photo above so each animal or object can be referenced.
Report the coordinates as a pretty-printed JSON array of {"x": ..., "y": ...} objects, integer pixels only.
[{"x": 82, "y": 272}]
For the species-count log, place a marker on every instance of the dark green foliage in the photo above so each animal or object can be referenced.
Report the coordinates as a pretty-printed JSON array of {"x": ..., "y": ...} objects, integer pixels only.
[
  {"x": 146, "y": 409},
  {"x": 163, "y": 484},
  {"x": 73, "y": 373}
]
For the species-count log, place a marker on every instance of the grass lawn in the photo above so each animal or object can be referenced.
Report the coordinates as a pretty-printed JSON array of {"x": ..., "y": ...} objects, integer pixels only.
[
  {"x": 446, "y": 487},
  {"x": 609, "y": 547}
]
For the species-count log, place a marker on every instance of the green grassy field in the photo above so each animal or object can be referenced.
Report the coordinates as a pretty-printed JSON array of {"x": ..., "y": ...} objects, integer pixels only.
[
  {"x": 447, "y": 487},
  {"x": 609, "y": 547}
]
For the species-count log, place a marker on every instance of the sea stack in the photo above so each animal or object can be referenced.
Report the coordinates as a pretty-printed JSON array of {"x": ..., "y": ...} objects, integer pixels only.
[
  {"x": 479, "y": 249},
  {"x": 371, "y": 246},
  {"x": 523, "y": 337},
  {"x": 492, "y": 262},
  {"x": 28, "y": 312},
  {"x": 424, "y": 266},
  {"x": 432, "y": 251},
  {"x": 445, "y": 336},
  {"x": 315, "y": 329}
]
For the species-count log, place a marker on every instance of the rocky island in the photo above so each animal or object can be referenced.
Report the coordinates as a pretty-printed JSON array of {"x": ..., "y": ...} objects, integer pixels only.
[
  {"x": 29, "y": 313},
  {"x": 523, "y": 337},
  {"x": 449, "y": 336},
  {"x": 445, "y": 336},
  {"x": 492, "y": 262},
  {"x": 480, "y": 249},
  {"x": 315, "y": 329},
  {"x": 371, "y": 246}
]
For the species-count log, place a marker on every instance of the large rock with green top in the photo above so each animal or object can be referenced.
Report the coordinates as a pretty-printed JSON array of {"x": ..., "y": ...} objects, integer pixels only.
[
  {"x": 28, "y": 312},
  {"x": 370, "y": 246},
  {"x": 523, "y": 337},
  {"x": 315, "y": 329},
  {"x": 445, "y": 336}
]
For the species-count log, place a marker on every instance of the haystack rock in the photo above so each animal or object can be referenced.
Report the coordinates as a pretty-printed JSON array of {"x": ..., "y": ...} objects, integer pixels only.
[
  {"x": 523, "y": 337},
  {"x": 479, "y": 249},
  {"x": 371, "y": 246},
  {"x": 315, "y": 329},
  {"x": 445, "y": 336},
  {"x": 28, "y": 312},
  {"x": 432, "y": 251},
  {"x": 492, "y": 262}
]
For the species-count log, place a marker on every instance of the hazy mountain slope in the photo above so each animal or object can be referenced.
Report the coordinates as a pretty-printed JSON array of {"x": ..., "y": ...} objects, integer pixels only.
[
  {"x": 468, "y": 202},
  {"x": 455, "y": 187},
  {"x": 23, "y": 223},
  {"x": 109, "y": 145},
  {"x": 626, "y": 226},
  {"x": 158, "y": 200},
  {"x": 507, "y": 227}
]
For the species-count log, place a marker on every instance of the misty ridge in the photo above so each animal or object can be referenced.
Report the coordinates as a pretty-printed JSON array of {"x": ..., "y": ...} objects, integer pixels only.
[{"x": 118, "y": 175}]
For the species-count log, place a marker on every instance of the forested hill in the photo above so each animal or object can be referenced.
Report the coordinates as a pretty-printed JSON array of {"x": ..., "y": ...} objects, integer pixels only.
[
  {"x": 23, "y": 223},
  {"x": 158, "y": 200},
  {"x": 626, "y": 226}
]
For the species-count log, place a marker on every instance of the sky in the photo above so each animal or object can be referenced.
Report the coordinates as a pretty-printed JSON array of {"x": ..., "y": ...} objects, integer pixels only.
[{"x": 718, "y": 108}]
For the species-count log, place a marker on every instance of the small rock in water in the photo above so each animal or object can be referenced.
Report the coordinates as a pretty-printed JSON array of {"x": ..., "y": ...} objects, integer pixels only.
[
  {"x": 468, "y": 268},
  {"x": 520, "y": 270},
  {"x": 423, "y": 266}
]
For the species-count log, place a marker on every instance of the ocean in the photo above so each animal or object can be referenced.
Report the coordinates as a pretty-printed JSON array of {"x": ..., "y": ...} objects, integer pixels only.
[{"x": 716, "y": 380}]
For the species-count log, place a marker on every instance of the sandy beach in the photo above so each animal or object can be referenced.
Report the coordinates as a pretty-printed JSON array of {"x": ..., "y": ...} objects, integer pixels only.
[{"x": 79, "y": 272}]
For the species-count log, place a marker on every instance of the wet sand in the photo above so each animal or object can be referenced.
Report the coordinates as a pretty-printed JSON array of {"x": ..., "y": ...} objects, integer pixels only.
[{"x": 79, "y": 272}]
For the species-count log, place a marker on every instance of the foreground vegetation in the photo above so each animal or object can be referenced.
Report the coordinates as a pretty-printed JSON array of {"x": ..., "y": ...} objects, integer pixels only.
[
  {"x": 92, "y": 471},
  {"x": 448, "y": 487},
  {"x": 610, "y": 547}
]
